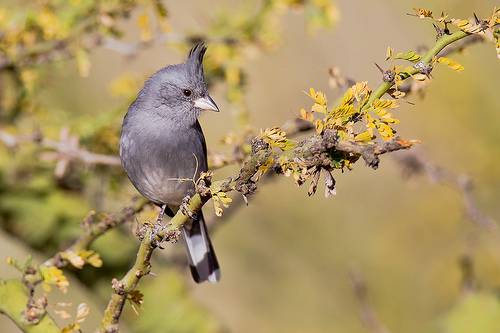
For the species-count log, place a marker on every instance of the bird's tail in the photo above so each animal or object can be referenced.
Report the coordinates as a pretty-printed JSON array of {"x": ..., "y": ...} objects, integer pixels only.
[{"x": 202, "y": 260}]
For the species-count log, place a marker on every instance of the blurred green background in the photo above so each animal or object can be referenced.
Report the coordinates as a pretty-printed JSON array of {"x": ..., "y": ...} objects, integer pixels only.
[{"x": 286, "y": 258}]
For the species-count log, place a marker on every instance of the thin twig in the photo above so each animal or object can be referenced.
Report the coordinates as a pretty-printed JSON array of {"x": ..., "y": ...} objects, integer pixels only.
[
  {"x": 67, "y": 148},
  {"x": 13, "y": 299},
  {"x": 415, "y": 163},
  {"x": 367, "y": 314},
  {"x": 94, "y": 226}
]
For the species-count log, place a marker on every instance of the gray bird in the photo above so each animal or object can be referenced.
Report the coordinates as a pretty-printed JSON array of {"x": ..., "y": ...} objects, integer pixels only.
[{"x": 163, "y": 149}]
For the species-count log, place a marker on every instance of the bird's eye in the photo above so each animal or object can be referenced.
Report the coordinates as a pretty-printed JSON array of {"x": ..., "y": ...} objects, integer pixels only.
[{"x": 187, "y": 92}]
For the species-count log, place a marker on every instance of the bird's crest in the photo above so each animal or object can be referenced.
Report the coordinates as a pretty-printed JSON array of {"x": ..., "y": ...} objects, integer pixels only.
[{"x": 195, "y": 60}]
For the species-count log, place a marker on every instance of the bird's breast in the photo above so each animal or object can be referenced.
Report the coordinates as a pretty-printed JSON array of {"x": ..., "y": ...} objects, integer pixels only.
[{"x": 163, "y": 165}]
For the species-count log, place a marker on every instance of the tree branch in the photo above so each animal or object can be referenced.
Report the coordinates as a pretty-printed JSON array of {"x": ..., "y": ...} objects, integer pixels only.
[
  {"x": 127, "y": 284},
  {"x": 416, "y": 163},
  {"x": 64, "y": 151},
  {"x": 426, "y": 60},
  {"x": 93, "y": 229},
  {"x": 367, "y": 314},
  {"x": 14, "y": 296}
]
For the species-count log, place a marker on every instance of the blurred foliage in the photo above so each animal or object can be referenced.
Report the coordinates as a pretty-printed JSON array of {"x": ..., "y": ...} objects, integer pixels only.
[
  {"x": 167, "y": 303},
  {"x": 476, "y": 312}
]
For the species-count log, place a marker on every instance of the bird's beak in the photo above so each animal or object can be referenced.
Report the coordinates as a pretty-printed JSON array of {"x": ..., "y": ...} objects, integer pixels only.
[{"x": 206, "y": 103}]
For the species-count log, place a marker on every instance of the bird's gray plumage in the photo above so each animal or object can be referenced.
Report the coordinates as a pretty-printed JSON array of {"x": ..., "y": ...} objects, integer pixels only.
[{"x": 163, "y": 150}]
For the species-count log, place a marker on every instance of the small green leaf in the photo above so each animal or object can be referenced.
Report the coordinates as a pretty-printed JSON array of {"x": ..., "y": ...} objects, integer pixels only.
[{"x": 410, "y": 56}]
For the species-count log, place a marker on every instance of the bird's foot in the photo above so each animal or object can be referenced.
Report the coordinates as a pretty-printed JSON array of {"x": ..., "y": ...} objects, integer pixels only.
[
  {"x": 158, "y": 229},
  {"x": 161, "y": 234},
  {"x": 159, "y": 219},
  {"x": 184, "y": 207},
  {"x": 157, "y": 235},
  {"x": 152, "y": 231}
]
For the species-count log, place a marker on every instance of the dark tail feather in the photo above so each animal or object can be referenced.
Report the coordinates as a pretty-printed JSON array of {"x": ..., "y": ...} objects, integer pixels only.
[{"x": 202, "y": 260}]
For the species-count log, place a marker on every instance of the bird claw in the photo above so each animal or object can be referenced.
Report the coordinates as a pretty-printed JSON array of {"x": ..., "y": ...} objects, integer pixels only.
[
  {"x": 160, "y": 234},
  {"x": 156, "y": 237},
  {"x": 184, "y": 207}
]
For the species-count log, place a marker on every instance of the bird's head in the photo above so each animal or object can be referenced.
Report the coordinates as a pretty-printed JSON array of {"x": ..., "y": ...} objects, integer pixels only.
[{"x": 179, "y": 92}]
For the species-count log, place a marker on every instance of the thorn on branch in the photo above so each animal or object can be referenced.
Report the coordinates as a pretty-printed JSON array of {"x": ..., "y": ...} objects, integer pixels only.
[
  {"x": 439, "y": 32},
  {"x": 483, "y": 24},
  {"x": 446, "y": 30},
  {"x": 245, "y": 199},
  {"x": 387, "y": 75},
  {"x": 476, "y": 19}
]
